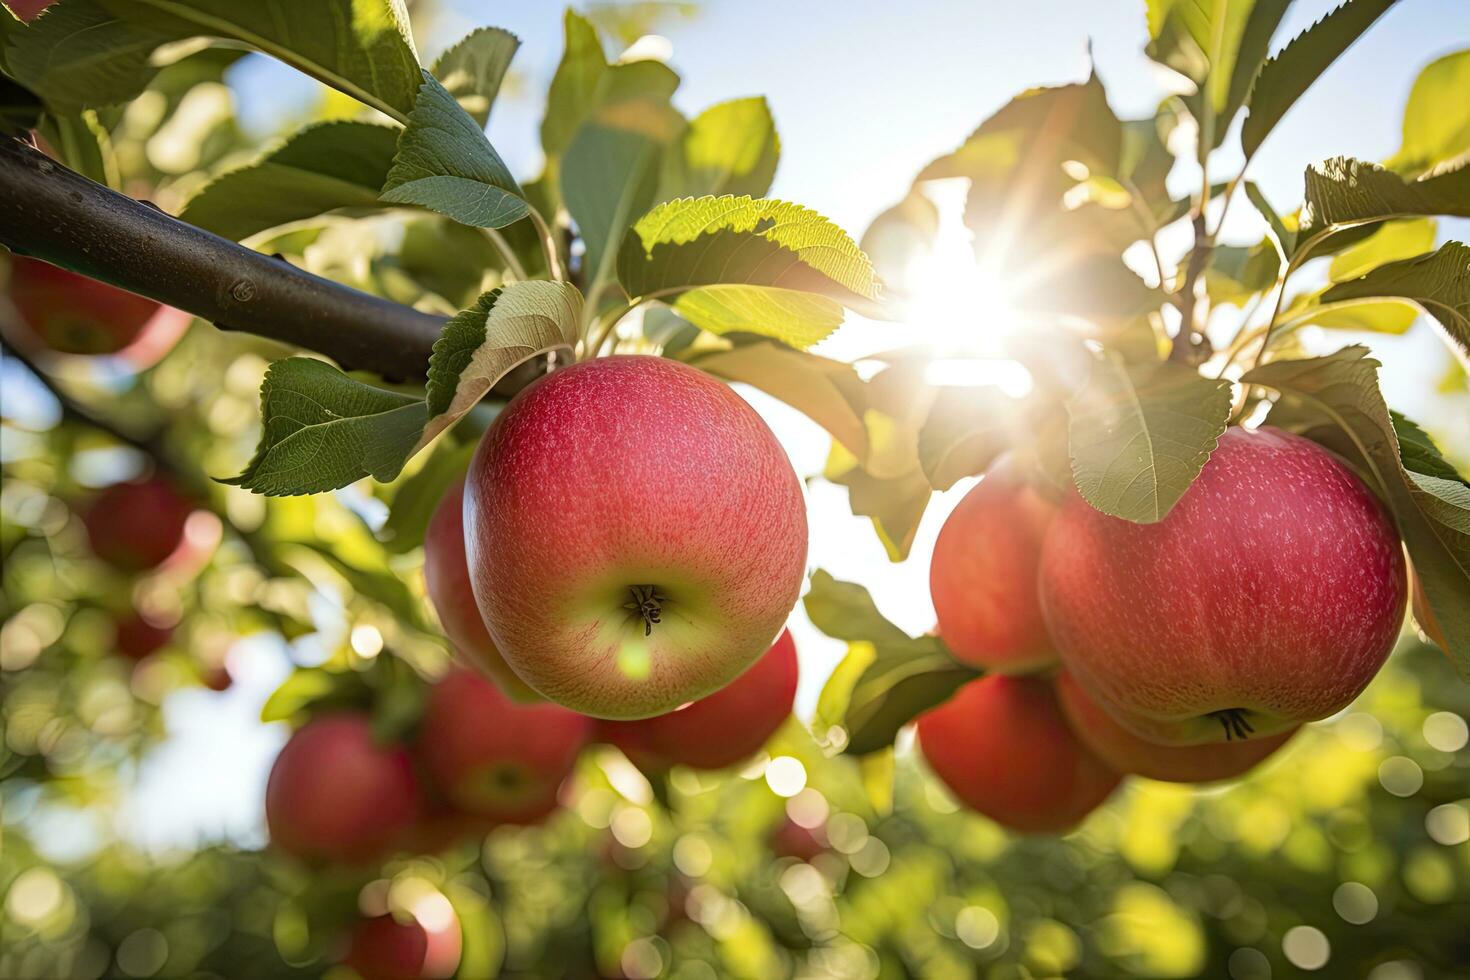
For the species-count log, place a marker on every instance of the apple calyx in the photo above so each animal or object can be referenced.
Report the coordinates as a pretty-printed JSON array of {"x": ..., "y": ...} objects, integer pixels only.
[
  {"x": 1234, "y": 722},
  {"x": 648, "y": 603}
]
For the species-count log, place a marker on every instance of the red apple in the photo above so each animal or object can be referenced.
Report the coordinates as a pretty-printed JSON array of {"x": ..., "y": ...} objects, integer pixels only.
[
  {"x": 723, "y": 728},
  {"x": 448, "y": 580},
  {"x": 1127, "y": 753},
  {"x": 1002, "y": 746},
  {"x": 336, "y": 795},
  {"x": 135, "y": 526},
  {"x": 72, "y": 314},
  {"x": 636, "y": 535},
  {"x": 28, "y": 9},
  {"x": 136, "y": 637},
  {"x": 491, "y": 757},
  {"x": 383, "y": 948},
  {"x": 791, "y": 839},
  {"x": 1269, "y": 596},
  {"x": 983, "y": 574}
]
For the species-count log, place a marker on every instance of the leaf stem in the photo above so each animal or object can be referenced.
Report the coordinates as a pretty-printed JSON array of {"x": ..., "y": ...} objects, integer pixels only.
[
  {"x": 548, "y": 246},
  {"x": 507, "y": 254},
  {"x": 605, "y": 324}
]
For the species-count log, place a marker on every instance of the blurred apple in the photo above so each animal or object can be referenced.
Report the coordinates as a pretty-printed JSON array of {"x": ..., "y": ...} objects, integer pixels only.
[
  {"x": 384, "y": 948},
  {"x": 135, "y": 526}
]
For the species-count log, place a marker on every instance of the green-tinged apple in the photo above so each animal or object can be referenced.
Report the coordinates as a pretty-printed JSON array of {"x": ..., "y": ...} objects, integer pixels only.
[
  {"x": 68, "y": 313},
  {"x": 636, "y": 535},
  {"x": 1003, "y": 747},
  {"x": 1268, "y": 597},
  {"x": 982, "y": 576},
  {"x": 419, "y": 947},
  {"x": 722, "y": 728},
  {"x": 489, "y": 756},
  {"x": 1127, "y": 753},
  {"x": 447, "y": 578},
  {"x": 336, "y": 795},
  {"x": 135, "y": 526},
  {"x": 137, "y": 637}
]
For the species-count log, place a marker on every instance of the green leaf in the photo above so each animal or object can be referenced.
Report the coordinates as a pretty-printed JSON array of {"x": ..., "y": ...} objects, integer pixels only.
[
  {"x": 966, "y": 429},
  {"x": 1395, "y": 240},
  {"x": 1344, "y": 193},
  {"x": 877, "y": 772},
  {"x": 1292, "y": 70},
  {"x": 729, "y": 148},
  {"x": 1283, "y": 229},
  {"x": 573, "y": 90},
  {"x": 506, "y": 327},
  {"x": 319, "y": 169},
  {"x": 899, "y": 237},
  {"x": 1437, "y": 117},
  {"x": 321, "y": 430},
  {"x": 1418, "y": 451},
  {"x": 446, "y": 164},
  {"x": 87, "y": 53},
  {"x": 83, "y": 144},
  {"x": 20, "y": 108},
  {"x": 473, "y": 69},
  {"x": 904, "y": 677},
  {"x": 1217, "y": 44},
  {"x": 418, "y": 496},
  {"x": 1255, "y": 44},
  {"x": 738, "y": 263},
  {"x": 1335, "y": 401},
  {"x": 608, "y": 178},
  {"x": 1373, "y": 316},
  {"x": 1237, "y": 272},
  {"x": 1438, "y": 283},
  {"x": 1139, "y": 435},
  {"x": 828, "y": 392},
  {"x": 305, "y": 687}
]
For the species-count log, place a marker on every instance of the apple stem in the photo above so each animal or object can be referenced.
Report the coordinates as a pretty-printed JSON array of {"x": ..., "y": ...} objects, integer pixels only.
[
  {"x": 648, "y": 603},
  {"x": 1234, "y": 722}
]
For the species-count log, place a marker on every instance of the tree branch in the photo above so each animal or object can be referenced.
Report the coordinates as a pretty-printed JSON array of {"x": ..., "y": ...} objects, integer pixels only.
[{"x": 60, "y": 216}]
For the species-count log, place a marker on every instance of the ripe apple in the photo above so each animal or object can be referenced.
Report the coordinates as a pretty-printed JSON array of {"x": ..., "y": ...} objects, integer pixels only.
[
  {"x": 722, "y": 728},
  {"x": 71, "y": 314},
  {"x": 1127, "y": 753},
  {"x": 383, "y": 948},
  {"x": 136, "y": 637},
  {"x": 135, "y": 526},
  {"x": 491, "y": 757},
  {"x": 1269, "y": 596},
  {"x": 336, "y": 795},
  {"x": 448, "y": 580},
  {"x": 1002, "y": 746},
  {"x": 982, "y": 576},
  {"x": 636, "y": 535}
]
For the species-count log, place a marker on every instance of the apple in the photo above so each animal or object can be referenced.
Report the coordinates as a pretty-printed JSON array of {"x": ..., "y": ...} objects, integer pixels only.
[
  {"x": 135, "y": 526},
  {"x": 1268, "y": 597},
  {"x": 982, "y": 576},
  {"x": 636, "y": 536},
  {"x": 383, "y": 948},
  {"x": 28, "y": 9},
  {"x": 136, "y": 637},
  {"x": 1003, "y": 747},
  {"x": 72, "y": 314},
  {"x": 336, "y": 795},
  {"x": 491, "y": 757},
  {"x": 722, "y": 728},
  {"x": 1127, "y": 753},
  {"x": 447, "y": 578},
  {"x": 790, "y": 839}
]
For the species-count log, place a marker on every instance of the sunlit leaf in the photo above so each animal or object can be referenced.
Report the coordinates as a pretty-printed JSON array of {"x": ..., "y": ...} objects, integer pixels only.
[
  {"x": 1418, "y": 451},
  {"x": 1437, "y": 117},
  {"x": 966, "y": 429},
  {"x": 1346, "y": 193},
  {"x": 729, "y": 148},
  {"x": 899, "y": 238},
  {"x": 1439, "y": 283},
  {"x": 83, "y": 144},
  {"x": 608, "y": 179},
  {"x": 1238, "y": 272},
  {"x": 1395, "y": 240},
  {"x": 1139, "y": 435},
  {"x": 473, "y": 69}
]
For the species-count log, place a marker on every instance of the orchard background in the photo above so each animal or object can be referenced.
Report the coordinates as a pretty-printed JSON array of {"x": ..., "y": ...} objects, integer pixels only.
[{"x": 142, "y": 709}]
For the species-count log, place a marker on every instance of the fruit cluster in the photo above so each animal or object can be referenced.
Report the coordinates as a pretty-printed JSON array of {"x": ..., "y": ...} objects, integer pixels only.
[{"x": 1187, "y": 650}]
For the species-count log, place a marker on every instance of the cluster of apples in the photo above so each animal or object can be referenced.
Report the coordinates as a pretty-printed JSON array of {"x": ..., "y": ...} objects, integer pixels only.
[
  {"x": 1187, "y": 650},
  {"x": 61, "y": 312}
]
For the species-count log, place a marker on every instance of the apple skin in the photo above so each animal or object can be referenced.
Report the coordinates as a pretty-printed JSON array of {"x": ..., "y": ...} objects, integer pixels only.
[
  {"x": 447, "y": 578},
  {"x": 1127, "y": 753},
  {"x": 137, "y": 638},
  {"x": 28, "y": 10},
  {"x": 722, "y": 728},
  {"x": 135, "y": 526},
  {"x": 1003, "y": 747},
  {"x": 614, "y": 476},
  {"x": 1273, "y": 591},
  {"x": 71, "y": 314},
  {"x": 383, "y": 948},
  {"x": 491, "y": 757},
  {"x": 982, "y": 576},
  {"x": 335, "y": 795}
]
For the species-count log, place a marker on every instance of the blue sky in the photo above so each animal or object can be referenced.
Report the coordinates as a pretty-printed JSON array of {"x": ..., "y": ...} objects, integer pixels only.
[{"x": 864, "y": 94}]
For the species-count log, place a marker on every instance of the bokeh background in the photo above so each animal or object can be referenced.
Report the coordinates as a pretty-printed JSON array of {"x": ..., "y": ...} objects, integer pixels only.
[{"x": 132, "y": 799}]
